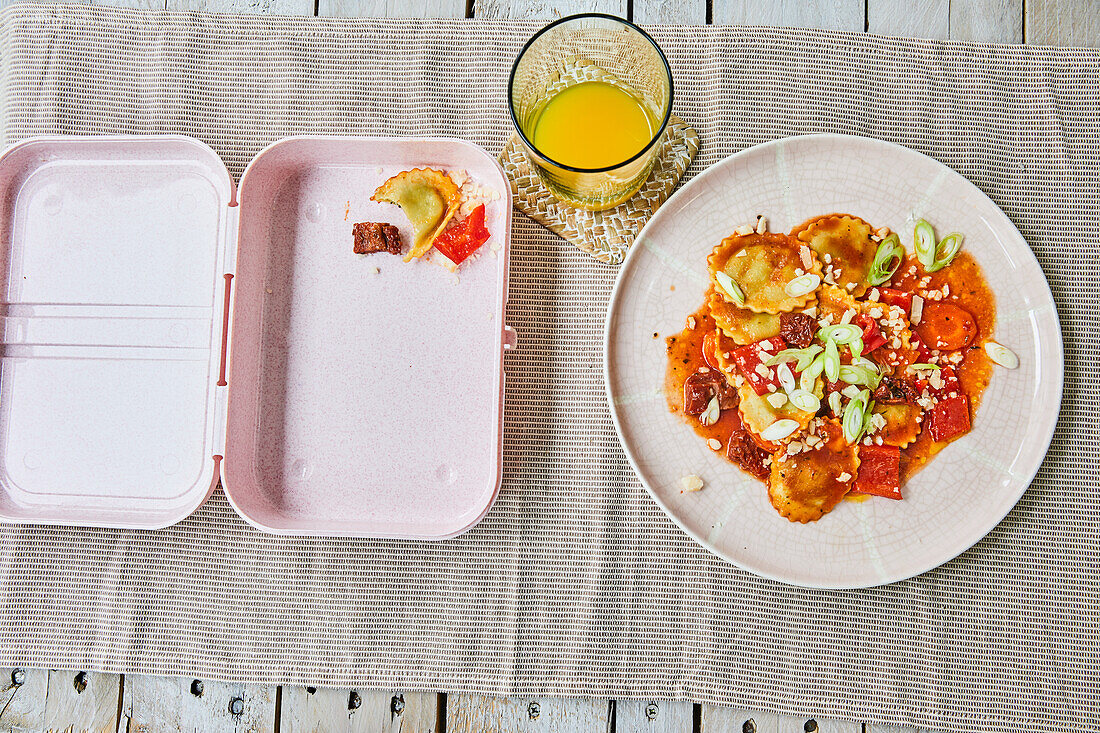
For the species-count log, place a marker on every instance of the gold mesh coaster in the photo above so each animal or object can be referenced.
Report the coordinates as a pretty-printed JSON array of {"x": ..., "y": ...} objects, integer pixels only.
[{"x": 605, "y": 235}]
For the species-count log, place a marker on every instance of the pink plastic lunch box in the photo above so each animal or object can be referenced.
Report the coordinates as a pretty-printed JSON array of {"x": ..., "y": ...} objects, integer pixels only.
[{"x": 163, "y": 330}]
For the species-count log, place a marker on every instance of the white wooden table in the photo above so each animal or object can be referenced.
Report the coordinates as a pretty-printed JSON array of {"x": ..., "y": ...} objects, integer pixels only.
[{"x": 73, "y": 700}]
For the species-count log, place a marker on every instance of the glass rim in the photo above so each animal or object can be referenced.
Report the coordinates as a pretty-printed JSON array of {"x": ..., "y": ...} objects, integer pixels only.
[{"x": 532, "y": 147}]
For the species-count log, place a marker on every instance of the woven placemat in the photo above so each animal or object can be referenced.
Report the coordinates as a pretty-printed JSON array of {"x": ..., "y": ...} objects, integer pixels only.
[
  {"x": 606, "y": 235},
  {"x": 576, "y": 583}
]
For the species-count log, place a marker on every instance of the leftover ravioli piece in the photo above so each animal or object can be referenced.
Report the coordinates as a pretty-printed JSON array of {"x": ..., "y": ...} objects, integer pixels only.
[
  {"x": 844, "y": 243},
  {"x": 761, "y": 266},
  {"x": 805, "y": 485},
  {"x": 833, "y": 303},
  {"x": 741, "y": 325},
  {"x": 429, "y": 199}
]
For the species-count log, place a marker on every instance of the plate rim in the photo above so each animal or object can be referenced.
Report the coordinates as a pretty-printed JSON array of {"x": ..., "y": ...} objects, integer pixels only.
[{"x": 1058, "y": 344}]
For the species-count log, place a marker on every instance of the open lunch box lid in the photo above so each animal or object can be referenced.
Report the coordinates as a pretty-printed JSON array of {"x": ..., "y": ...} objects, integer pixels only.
[{"x": 158, "y": 336}]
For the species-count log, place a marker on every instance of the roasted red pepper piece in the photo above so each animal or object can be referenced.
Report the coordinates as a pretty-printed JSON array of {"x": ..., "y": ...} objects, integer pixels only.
[
  {"x": 750, "y": 358},
  {"x": 949, "y": 419},
  {"x": 879, "y": 471},
  {"x": 872, "y": 336},
  {"x": 900, "y": 298},
  {"x": 462, "y": 240},
  {"x": 924, "y": 354}
]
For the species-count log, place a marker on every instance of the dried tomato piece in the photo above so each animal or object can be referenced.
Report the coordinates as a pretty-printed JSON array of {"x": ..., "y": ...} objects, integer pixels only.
[
  {"x": 701, "y": 387},
  {"x": 896, "y": 391},
  {"x": 747, "y": 455},
  {"x": 797, "y": 329}
]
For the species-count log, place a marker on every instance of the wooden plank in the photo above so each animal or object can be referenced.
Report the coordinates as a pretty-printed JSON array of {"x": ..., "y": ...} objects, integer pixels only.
[
  {"x": 139, "y": 4},
  {"x": 1062, "y": 23},
  {"x": 991, "y": 21},
  {"x": 81, "y": 701},
  {"x": 687, "y": 12},
  {"x": 266, "y": 7},
  {"x": 718, "y": 719},
  {"x": 653, "y": 716},
  {"x": 392, "y": 8},
  {"x": 317, "y": 710},
  {"x": 546, "y": 9},
  {"x": 23, "y": 698},
  {"x": 837, "y": 15},
  {"x": 912, "y": 19},
  {"x": 176, "y": 704},
  {"x": 481, "y": 714}
]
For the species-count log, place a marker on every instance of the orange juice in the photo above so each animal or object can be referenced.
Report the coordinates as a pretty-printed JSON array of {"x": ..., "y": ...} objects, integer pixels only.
[{"x": 592, "y": 125}]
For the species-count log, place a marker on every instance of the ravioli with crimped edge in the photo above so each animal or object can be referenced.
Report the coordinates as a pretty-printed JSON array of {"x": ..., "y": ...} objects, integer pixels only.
[
  {"x": 846, "y": 245},
  {"x": 758, "y": 268},
  {"x": 809, "y": 364}
]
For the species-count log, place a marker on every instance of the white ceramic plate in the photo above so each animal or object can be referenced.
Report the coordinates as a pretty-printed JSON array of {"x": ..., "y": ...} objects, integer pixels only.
[{"x": 964, "y": 491}]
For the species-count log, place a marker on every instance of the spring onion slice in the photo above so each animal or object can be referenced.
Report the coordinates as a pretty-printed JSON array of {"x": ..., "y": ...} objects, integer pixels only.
[
  {"x": 924, "y": 242},
  {"x": 1002, "y": 355},
  {"x": 835, "y": 403},
  {"x": 862, "y": 376},
  {"x": 730, "y": 287},
  {"x": 946, "y": 250},
  {"x": 801, "y": 357},
  {"x": 921, "y": 367},
  {"x": 842, "y": 333},
  {"x": 868, "y": 413},
  {"x": 779, "y": 429},
  {"x": 853, "y": 422},
  {"x": 805, "y": 401},
  {"x": 802, "y": 285},
  {"x": 863, "y": 361},
  {"x": 831, "y": 361},
  {"x": 856, "y": 347},
  {"x": 710, "y": 415},
  {"x": 887, "y": 260},
  {"x": 786, "y": 378}
]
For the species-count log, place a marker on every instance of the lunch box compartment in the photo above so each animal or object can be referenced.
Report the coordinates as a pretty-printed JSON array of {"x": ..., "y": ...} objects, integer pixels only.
[{"x": 362, "y": 395}]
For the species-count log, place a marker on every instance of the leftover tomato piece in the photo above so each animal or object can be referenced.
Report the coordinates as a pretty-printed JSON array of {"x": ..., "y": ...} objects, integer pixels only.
[
  {"x": 750, "y": 360},
  {"x": 463, "y": 239},
  {"x": 797, "y": 329},
  {"x": 949, "y": 419},
  {"x": 879, "y": 471},
  {"x": 369, "y": 237},
  {"x": 892, "y": 296},
  {"x": 946, "y": 327},
  {"x": 743, "y": 451},
  {"x": 872, "y": 335}
]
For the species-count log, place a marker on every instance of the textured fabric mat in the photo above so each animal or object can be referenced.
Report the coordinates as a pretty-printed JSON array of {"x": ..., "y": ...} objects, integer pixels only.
[
  {"x": 576, "y": 583},
  {"x": 606, "y": 235}
]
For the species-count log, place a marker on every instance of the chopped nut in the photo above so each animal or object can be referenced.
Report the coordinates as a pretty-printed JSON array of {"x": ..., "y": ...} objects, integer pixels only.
[
  {"x": 744, "y": 230},
  {"x": 762, "y": 225},
  {"x": 690, "y": 483},
  {"x": 844, "y": 477},
  {"x": 714, "y": 444},
  {"x": 777, "y": 399},
  {"x": 691, "y": 323}
]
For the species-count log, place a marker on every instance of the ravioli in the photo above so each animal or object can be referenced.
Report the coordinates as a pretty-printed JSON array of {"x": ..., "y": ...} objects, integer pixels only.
[
  {"x": 429, "y": 198},
  {"x": 757, "y": 413},
  {"x": 804, "y": 486},
  {"x": 761, "y": 265},
  {"x": 833, "y": 303},
  {"x": 902, "y": 424},
  {"x": 740, "y": 324},
  {"x": 844, "y": 243}
]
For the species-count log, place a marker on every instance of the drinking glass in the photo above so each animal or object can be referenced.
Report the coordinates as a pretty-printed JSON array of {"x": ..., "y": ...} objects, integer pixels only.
[{"x": 586, "y": 48}]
